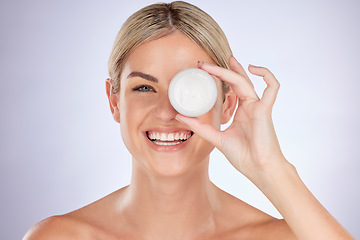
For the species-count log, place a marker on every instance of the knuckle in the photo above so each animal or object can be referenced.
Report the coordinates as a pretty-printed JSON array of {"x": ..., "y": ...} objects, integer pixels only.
[{"x": 277, "y": 84}]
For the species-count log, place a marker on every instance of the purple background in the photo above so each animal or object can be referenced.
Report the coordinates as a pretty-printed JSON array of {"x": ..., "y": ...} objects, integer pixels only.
[{"x": 60, "y": 148}]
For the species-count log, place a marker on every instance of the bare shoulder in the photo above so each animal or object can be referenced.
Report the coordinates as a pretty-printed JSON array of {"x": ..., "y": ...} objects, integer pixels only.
[
  {"x": 248, "y": 222},
  {"x": 274, "y": 229},
  {"x": 89, "y": 222},
  {"x": 264, "y": 227},
  {"x": 55, "y": 227}
]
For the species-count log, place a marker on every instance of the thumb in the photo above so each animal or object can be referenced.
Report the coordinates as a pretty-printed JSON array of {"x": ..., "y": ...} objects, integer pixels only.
[{"x": 204, "y": 130}]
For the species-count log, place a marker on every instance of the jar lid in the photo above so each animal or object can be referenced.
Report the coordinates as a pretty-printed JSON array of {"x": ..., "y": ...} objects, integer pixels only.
[{"x": 192, "y": 92}]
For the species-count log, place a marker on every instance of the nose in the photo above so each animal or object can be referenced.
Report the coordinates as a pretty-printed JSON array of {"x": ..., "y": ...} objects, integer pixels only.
[{"x": 164, "y": 110}]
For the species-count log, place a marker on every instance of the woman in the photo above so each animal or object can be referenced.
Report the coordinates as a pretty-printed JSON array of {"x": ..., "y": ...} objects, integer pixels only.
[{"x": 170, "y": 195}]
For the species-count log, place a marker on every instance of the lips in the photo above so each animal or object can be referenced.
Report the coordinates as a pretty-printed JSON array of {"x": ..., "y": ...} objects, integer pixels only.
[{"x": 169, "y": 138}]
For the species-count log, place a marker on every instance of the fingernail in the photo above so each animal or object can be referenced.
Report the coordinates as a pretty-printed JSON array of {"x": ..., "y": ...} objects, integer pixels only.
[
  {"x": 202, "y": 64},
  {"x": 250, "y": 65}
]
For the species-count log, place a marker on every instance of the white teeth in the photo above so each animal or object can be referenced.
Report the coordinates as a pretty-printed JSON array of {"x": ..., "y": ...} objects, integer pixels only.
[
  {"x": 168, "y": 143},
  {"x": 177, "y": 136},
  {"x": 169, "y": 137},
  {"x": 182, "y": 136},
  {"x": 163, "y": 137}
]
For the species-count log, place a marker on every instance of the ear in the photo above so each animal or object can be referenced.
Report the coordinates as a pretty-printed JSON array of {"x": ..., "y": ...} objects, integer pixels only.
[
  {"x": 229, "y": 106},
  {"x": 113, "y": 100}
]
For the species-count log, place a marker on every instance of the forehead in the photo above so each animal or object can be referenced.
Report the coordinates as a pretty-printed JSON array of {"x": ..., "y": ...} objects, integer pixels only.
[{"x": 166, "y": 56}]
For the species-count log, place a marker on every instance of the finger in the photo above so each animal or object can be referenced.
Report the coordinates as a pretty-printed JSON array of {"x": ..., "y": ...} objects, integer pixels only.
[
  {"x": 204, "y": 130},
  {"x": 236, "y": 67},
  {"x": 240, "y": 85},
  {"x": 270, "y": 93}
]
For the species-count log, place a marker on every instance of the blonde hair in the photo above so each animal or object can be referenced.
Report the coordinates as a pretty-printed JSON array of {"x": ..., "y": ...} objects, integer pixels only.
[{"x": 158, "y": 20}]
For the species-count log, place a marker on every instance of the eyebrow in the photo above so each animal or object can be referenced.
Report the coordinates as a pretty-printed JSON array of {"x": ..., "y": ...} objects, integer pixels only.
[{"x": 143, "y": 75}]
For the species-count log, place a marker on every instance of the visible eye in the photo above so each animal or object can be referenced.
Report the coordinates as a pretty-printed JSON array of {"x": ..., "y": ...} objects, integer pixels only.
[{"x": 143, "y": 88}]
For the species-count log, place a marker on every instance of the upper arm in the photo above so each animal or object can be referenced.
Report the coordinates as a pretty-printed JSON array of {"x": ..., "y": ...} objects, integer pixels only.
[{"x": 56, "y": 227}]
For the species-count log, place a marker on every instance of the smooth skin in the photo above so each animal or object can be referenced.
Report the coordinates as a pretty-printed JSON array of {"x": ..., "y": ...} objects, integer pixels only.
[{"x": 170, "y": 195}]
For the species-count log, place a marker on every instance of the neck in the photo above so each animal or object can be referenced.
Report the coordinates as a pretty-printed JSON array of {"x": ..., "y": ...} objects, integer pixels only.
[{"x": 168, "y": 206}]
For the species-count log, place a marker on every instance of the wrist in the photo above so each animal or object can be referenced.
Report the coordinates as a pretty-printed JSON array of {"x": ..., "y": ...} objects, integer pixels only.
[{"x": 273, "y": 176}]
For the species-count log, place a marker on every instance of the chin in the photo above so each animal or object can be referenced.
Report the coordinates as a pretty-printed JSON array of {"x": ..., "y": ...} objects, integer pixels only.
[{"x": 173, "y": 165}]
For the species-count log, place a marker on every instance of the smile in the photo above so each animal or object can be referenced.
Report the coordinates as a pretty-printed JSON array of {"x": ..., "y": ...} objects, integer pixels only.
[{"x": 168, "y": 139}]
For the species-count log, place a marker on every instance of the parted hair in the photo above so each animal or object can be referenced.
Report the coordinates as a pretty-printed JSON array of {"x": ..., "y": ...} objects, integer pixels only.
[{"x": 158, "y": 20}]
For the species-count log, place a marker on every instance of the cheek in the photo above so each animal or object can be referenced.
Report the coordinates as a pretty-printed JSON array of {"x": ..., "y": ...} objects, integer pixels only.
[
  {"x": 133, "y": 112},
  {"x": 130, "y": 110},
  {"x": 134, "y": 108}
]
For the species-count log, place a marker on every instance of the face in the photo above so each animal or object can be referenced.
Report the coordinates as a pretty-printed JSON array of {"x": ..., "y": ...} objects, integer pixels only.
[{"x": 157, "y": 141}]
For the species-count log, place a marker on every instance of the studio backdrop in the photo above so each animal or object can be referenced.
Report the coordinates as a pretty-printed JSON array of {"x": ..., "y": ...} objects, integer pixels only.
[{"x": 60, "y": 149}]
